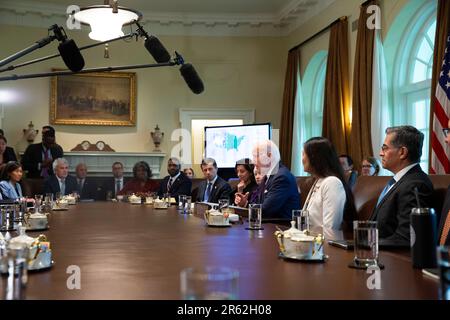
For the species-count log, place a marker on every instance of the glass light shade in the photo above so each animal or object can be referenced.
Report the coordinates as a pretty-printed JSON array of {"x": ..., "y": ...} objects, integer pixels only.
[{"x": 105, "y": 24}]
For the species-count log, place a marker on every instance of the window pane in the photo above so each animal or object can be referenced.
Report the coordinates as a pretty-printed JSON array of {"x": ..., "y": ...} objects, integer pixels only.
[
  {"x": 420, "y": 71},
  {"x": 425, "y": 52},
  {"x": 432, "y": 32},
  {"x": 420, "y": 112}
]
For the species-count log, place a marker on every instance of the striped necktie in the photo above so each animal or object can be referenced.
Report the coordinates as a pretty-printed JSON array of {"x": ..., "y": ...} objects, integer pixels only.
[{"x": 445, "y": 230}]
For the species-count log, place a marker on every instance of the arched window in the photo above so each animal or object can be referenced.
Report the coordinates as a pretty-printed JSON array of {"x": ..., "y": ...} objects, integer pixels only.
[
  {"x": 409, "y": 57},
  {"x": 309, "y": 107}
]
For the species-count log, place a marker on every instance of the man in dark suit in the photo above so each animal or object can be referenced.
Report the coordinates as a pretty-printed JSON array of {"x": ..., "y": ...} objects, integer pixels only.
[
  {"x": 401, "y": 154},
  {"x": 38, "y": 157},
  {"x": 86, "y": 188},
  {"x": 113, "y": 185},
  {"x": 278, "y": 190},
  {"x": 61, "y": 181},
  {"x": 214, "y": 187},
  {"x": 176, "y": 183}
]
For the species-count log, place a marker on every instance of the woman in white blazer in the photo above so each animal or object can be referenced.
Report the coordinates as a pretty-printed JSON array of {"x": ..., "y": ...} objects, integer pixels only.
[
  {"x": 9, "y": 186},
  {"x": 330, "y": 201}
]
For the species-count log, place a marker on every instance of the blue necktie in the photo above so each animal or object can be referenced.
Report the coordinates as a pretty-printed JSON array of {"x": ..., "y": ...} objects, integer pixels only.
[
  {"x": 385, "y": 190},
  {"x": 208, "y": 191}
]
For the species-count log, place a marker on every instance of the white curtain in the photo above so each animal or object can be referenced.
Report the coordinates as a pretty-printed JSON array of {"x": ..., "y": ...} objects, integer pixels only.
[{"x": 380, "y": 106}]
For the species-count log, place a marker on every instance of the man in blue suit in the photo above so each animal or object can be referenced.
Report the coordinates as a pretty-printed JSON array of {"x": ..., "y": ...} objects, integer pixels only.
[
  {"x": 61, "y": 181},
  {"x": 279, "y": 195}
]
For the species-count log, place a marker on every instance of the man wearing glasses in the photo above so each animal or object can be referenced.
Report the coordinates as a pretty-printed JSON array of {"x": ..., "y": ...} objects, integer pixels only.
[{"x": 401, "y": 154}]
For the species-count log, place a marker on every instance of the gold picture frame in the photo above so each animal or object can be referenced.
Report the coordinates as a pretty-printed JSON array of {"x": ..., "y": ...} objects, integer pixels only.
[{"x": 94, "y": 99}]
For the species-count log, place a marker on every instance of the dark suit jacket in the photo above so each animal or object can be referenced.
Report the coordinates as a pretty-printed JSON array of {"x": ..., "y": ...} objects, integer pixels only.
[
  {"x": 89, "y": 190},
  {"x": 109, "y": 186},
  {"x": 220, "y": 190},
  {"x": 444, "y": 214},
  {"x": 51, "y": 185},
  {"x": 9, "y": 155},
  {"x": 393, "y": 212},
  {"x": 181, "y": 186},
  {"x": 33, "y": 157},
  {"x": 280, "y": 195}
]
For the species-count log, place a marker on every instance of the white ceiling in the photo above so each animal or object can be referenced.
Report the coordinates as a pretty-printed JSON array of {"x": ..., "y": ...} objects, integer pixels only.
[{"x": 183, "y": 17}]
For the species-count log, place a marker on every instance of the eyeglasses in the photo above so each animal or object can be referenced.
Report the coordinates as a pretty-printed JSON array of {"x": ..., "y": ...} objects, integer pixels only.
[
  {"x": 446, "y": 131},
  {"x": 367, "y": 166}
]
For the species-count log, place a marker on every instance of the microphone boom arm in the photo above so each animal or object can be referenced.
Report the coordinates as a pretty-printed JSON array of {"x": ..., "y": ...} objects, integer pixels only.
[
  {"x": 9, "y": 68},
  {"x": 91, "y": 70}
]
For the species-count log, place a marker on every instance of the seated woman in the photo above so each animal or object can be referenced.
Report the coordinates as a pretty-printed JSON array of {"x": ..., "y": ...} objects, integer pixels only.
[
  {"x": 370, "y": 167},
  {"x": 247, "y": 183},
  {"x": 7, "y": 154},
  {"x": 10, "y": 176},
  {"x": 329, "y": 201},
  {"x": 141, "y": 183},
  {"x": 243, "y": 200},
  {"x": 189, "y": 172}
]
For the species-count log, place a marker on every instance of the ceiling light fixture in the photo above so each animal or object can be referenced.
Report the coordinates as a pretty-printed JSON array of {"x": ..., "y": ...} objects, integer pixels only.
[{"x": 106, "y": 21}]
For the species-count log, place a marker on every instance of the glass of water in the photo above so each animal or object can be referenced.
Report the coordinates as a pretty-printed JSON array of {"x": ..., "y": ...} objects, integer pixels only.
[
  {"x": 301, "y": 217},
  {"x": 37, "y": 203},
  {"x": 255, "y": 217},
  {"x": 365, "y": 235},
  {"x": 209, "y": 283},
  {"x": 187, "y": 204}
]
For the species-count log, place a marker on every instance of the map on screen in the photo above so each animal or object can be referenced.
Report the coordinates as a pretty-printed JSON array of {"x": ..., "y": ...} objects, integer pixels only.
[{"x": 229, "y": 144}]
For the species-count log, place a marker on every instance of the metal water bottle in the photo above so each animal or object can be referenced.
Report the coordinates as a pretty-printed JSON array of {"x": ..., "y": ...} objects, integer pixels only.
[{"x": 423, "y": 238}]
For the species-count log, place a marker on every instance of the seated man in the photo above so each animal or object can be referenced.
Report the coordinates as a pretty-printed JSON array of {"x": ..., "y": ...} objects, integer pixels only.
[
  {"x": 401, "y": 154},
  {"x": 38, "y": 157},
  {"x": 61, "y": 181},
  {"x": 176, "y": 183},
  {"x": 278, "y": 189},
  {"x": 347, "y": 165},
  {"x": 86, "y": 188},
  {"x": 214, "y": 187}
]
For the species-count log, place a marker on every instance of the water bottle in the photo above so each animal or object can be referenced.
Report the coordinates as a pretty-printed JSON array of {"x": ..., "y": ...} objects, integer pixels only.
[{"x": 423, "y": 238}]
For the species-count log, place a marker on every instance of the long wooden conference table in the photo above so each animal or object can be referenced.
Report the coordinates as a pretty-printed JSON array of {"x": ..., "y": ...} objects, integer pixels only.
[{"x": 129, "y": 251}]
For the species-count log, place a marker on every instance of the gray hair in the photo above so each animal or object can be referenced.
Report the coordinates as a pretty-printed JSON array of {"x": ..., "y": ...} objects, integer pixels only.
[
  {"x": 268, "y": 147},
  {"x": 410, "y": 138},
  {"x": 59, "y": 161}
]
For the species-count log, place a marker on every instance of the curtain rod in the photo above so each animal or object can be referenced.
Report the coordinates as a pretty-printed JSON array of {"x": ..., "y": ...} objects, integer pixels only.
[{"x": 319, "y": 33}]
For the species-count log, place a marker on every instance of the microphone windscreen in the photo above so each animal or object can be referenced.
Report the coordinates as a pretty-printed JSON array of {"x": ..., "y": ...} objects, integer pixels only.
[
  {"x": 192, "y": 79},
  {"x": 71, "y": 55},
  {"x": 156, "y": 49}
]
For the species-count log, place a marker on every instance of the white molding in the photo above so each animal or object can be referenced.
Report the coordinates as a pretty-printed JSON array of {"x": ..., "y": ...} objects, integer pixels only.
[
  {"x": 187, "y": 115},
  {"x": 295, "y": 13}
]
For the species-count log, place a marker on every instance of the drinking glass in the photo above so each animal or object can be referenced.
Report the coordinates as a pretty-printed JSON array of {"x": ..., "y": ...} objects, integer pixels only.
[
  {"x": 365, "y": 234},
  {"x": 187, "y": 205},
  {"x": 255, "y": 216},
  {"x": 58, "y": 196},
  {"x": 443, "y": 259},
  {"x": 301, "y": 217},
  {"x": 209, "y": 283},
  {"x": 37, "y": 203},
  {"x": 181, "y": 202},
  {"x": 18, "y": 255}
]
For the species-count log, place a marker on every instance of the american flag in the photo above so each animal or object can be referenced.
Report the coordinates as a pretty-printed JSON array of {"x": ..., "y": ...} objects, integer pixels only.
[{"x": 440, "y": 152}]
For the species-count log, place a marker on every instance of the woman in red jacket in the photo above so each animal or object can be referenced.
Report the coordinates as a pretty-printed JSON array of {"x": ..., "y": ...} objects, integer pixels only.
[{"x": 141, "y": 184}]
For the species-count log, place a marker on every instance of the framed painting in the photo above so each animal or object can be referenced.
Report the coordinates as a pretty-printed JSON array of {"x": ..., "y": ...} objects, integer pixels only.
[{"x": 94, "y": 99}]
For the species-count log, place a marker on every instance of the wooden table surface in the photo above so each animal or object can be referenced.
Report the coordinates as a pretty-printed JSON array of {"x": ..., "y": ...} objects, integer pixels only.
[{"x": 129, "y": 251}]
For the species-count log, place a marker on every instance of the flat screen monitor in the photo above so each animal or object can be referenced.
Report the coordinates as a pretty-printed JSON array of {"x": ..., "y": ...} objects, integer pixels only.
[{"x": 228, "y": 144}]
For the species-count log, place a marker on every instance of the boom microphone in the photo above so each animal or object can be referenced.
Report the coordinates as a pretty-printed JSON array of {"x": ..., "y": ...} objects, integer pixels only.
[
  {"x": 71, "y": 55},
  {"x": 68, "y": 49},
  {"x": 192, "y": 79},
  {"x": 156, "y": 49}
]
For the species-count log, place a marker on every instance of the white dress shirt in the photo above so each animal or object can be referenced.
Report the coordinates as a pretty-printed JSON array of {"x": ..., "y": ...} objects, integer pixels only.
[
  {"x": 325, "y": 203},
  {"x": 120, "y": 183}
]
